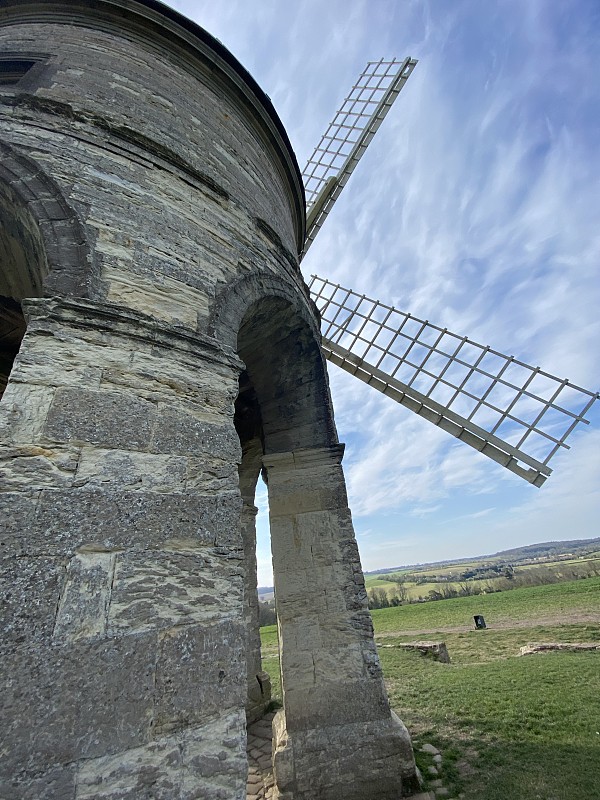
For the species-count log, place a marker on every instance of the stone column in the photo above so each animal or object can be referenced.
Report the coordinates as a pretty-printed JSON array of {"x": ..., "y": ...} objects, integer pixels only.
[
  {"x": 123, "y": 642},
  {"x": 259, "y": 682},
  {"x": 336, "y": 737}
]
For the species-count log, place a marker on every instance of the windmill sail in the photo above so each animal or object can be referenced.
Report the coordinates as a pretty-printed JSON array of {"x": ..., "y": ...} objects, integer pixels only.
[
  {"x": 348, "y": 136},
  {"x": 514, "y": 413}
]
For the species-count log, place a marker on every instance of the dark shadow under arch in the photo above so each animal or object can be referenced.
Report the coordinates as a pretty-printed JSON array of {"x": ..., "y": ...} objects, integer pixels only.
[
  {"x": 43, "y": 251},
  {"x": 286, "y": 373},
  {"x": 35, "y": 218}
]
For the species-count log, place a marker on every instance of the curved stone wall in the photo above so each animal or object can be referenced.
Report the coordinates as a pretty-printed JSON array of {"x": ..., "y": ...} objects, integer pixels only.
[{"x": 169, "y": 153}]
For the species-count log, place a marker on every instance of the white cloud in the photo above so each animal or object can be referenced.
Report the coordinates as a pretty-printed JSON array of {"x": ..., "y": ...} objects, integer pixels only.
[{"x": 475, "y": 207}]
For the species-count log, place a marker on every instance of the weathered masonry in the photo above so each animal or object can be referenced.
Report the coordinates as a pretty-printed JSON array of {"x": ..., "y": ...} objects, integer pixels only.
[{"x": 158, "y": 349}]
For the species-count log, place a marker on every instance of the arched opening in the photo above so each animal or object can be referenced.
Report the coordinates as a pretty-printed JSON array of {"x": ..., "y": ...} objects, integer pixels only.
[
  {"x": 331, "y": 681},
  {"x": 285, "y": 369},
  {"x": 283, "y": 405},
  {"x": 23, "y": 266}
]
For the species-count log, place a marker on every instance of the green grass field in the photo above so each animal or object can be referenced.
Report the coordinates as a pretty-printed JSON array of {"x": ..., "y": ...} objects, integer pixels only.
[
  {"x": 509, "y": 727},
  {"x": 557, "y": 599}
]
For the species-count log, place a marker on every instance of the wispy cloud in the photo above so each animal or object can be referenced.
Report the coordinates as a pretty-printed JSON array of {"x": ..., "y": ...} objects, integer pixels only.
[{"x": 476, "y": 207}]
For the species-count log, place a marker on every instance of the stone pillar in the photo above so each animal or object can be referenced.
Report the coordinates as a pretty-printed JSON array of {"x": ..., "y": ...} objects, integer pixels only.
[
  {"x": 259, "y": 682},
  {"x": 335, "y": 738},
  {"x": 123, "y": 641}
]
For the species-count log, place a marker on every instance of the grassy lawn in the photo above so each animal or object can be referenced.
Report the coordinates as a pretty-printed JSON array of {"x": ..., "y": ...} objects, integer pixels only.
[
  {"x": 520, "y": 728},
  {"x": 509, "y": 727}
]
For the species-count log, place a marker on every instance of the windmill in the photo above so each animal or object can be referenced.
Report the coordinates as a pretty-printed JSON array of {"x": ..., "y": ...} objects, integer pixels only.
[
  {"x": 128, "y": 512},
  {"x": 516, "y": 414}
]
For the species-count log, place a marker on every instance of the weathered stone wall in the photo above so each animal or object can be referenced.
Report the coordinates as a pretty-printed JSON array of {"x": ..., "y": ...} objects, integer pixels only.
[
  {"x": 201, "y": 197},
  {"x": 124, "y": 649},
  {"x": 124, "y": 638},
  {"x": 169, "y": 210},
  {"x": 335, "y": 738}
]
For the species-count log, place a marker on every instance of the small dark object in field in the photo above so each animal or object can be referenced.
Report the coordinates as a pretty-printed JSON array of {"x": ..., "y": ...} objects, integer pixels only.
[{"x": 479, "y": 622}]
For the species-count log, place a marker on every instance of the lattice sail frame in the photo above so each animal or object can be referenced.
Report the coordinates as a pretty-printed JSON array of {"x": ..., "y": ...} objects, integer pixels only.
[
  {"x": 514, "y": 413},
  {"x": 349, "y": 134}
]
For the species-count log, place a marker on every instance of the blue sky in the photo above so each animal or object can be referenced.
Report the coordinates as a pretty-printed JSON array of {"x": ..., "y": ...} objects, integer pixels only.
[{"x": 476, "y": 207}]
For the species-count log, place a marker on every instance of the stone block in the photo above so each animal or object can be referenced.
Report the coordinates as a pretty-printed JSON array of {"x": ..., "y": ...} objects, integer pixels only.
[
  {"x": 23, "y": 412},
  {"x": 87, "y": 698},
  {"x": 344, "y": 762},
  {"x": 108, "y": 419},
  {"x": 324, "y": 530},
  {"x": 130, "y": 471},
  {"x": 295, "y": 583},
  {"x": 210, "y": 476},
  {"x": 56, "y": 362},
  {"x": 299, "y": 669},
  {"x": 83, "y": 607},
  {"x": 201, "y": 672},
  {"x": 318, "y": 531},
  {"x": 30, "y": 589},
  {"x": 17, "y": 512},
  {"x": 346, "y": 663},
  {"x": 30, "y": 466},
  {"x": 334, "y": 703},
  {"x": 291, "y": 546},
  {"x": 154, "y": 589},
  {"x": 93, "y": 519},
  {"x": 182, "y": 433},
  {"x": 305, "y": 491},
  {"x": 165, "y": 299},
  {"x": 303, "y": 633},
  {"x": 203, "y": 385}
]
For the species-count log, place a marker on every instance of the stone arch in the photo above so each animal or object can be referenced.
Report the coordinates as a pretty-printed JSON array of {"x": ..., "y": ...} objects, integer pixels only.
[
  {"x": 332, "y": 687},
  {"x": 283, "y": 405},
  {"x": 42, "y": 248},
  {"x": 236, "y": 299},
  {"x": 274, "y": 328},
  {"x": 286, "y": 370},
  {"x": 45, "y": 234}
]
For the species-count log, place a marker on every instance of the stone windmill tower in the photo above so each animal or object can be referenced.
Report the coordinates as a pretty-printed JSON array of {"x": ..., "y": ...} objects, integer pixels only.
[{"x": 159, "y": 348}]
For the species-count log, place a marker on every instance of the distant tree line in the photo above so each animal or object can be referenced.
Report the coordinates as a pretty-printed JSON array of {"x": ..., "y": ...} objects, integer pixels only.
[
  {"x": 379, "y": 598},
  {"x": 266, "y": 614},
  {"x": 504, "y": 579}
]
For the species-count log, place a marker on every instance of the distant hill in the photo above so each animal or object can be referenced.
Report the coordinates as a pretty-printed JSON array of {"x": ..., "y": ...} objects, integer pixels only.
[
  {"x": 552, "y": 548},
  {"x": 542, "y": 550}
]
